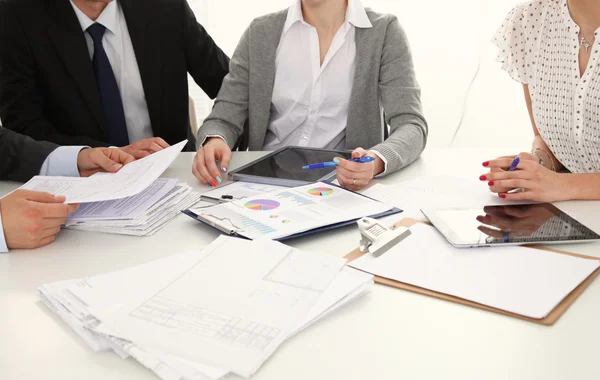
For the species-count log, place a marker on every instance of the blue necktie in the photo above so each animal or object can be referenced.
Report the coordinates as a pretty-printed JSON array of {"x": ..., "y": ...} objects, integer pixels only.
[{"x": 110, "y": 97}]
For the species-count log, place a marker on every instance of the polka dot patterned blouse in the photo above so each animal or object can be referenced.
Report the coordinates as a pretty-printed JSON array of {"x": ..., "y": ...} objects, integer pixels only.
[{"x": 539, "y": 46}]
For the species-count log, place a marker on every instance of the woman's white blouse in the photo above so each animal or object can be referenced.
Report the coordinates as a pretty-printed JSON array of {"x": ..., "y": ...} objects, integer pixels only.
[{"x": 539, "y": 46}]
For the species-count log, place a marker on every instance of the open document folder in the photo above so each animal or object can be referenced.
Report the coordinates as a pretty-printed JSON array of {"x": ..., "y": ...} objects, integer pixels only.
[
  {"x": 131, "y": 180},
  {"x": 291, "y": 212},
  {"x": 201, "y": 315}
]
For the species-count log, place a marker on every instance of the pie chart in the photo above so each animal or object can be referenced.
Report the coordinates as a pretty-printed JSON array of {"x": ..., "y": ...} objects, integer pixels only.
[
  {"x": 262, "y": 205},
  {"x": 321, "y": 191}
]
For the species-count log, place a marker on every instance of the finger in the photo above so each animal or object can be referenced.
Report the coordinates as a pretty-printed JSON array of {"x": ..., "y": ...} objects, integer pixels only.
[
  {"x": 37, "y": 196},
  {"x": 505, "y": 163},
  {"x": 99, "y": 158},
  {"x": 71, "y": 208},
  {"x": 343, "y": 181},
  {"x": 51, "y": 210},
  {"x": 521, "y": 196},
  {"x": 358, "y": 153},
  {"x": 491, "y": 232},
  {"x": 137, "y": 154},
  {"x": 351, "y": 183},
  {"x": 203, "y": 170},
  {"x": 356, "y": 167},
  {"x": 198, "y": 164},
  {"x": 226, "y": 160},
  {"x": 518, "y": 183},
  {"x": 495, "y": 177},
  {"x": 120, "y": 156},
  {"x": 210, "y": 156},
  {"x": 48, "y": 232},
  {"x": 499, "y": 189},
  {"x": 160, "y": 142},
  {"x": 353, "y": 175},
  {"x": 45, "y": 241},
  {"x": 149, "y": 146}
]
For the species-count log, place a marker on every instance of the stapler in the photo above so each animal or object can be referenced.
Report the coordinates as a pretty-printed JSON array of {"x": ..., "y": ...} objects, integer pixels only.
[{"x": 377, "y": 239}]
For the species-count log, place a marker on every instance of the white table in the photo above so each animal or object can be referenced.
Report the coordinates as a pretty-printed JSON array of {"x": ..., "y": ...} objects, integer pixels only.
[{"x": 389, "y": 334}]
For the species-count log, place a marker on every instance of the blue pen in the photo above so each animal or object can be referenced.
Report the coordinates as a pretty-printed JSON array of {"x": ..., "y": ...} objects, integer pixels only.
[
  {"x": 321, "y": 165},
  {"x": 514, "y": 164}
]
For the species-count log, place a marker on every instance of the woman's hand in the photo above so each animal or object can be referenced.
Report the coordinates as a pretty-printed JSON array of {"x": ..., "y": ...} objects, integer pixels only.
[
  {"x": 539, "y": 183},
  {"x": 355, "y": 175},
  {"x": 205, "y": 163},
  {"x": 523, "y": 156}
]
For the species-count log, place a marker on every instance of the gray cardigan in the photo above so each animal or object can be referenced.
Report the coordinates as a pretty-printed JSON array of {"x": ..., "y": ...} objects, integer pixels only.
[{"x": 384, "y": 78}]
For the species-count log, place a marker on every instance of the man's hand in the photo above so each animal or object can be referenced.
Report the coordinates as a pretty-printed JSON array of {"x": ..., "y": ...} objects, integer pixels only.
[
  {"x": 205, "y": 163},
  {"x": 31, "y": 219},
  {"x": 92, "y": 161},
  {"x": 145, "y": 147}
]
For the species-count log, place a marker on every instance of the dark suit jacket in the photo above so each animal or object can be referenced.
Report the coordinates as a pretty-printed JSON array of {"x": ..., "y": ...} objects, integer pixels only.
[
  {"x": 47, "y": 85},
  {"x": 20, "y": 156}
]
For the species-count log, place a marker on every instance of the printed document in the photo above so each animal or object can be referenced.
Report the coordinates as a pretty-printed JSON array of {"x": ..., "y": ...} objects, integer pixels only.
[
  {"x": 290, "y": 211},
  {"x": 232, "y": 308},
  {"x": 131, "y": 180}
]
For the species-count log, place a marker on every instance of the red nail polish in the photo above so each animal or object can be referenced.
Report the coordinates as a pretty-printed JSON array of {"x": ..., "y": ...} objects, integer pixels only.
[
  {"x": 214, "y": 183},
  {"x": 486, "y": 164},
  {"x": 491, "y": 183},
  {"x": 502, "y": 196},
  {"x": 483, "y": 178}
]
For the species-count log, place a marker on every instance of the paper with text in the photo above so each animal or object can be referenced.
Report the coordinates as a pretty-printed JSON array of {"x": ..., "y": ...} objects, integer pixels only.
[
  {"x": 131, "y": 180},
  {"x": 231, "y": 309}
]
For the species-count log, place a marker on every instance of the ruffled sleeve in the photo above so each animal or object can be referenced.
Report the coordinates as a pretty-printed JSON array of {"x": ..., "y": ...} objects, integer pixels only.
[{"x": 517, "y": 39}]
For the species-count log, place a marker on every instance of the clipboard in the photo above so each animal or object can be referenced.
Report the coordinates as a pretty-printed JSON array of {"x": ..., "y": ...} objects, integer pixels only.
[
  {"x": 549, "y": 320},
  {"x": 229, "y": 229},
  {"x": 232, "y": 232}
]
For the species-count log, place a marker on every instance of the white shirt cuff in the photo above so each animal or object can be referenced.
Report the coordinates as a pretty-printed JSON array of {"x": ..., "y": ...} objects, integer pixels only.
[
  {"x": 62, "y": 162},
  {"x": 211, "y": 136},
  {"x": 385, "y": 163},
  {"x": 3, "y": 247}
]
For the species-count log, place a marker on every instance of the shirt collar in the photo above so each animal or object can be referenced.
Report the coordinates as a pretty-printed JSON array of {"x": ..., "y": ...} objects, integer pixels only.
[
  {"x": 355, "y": 15},
  {"x": 109, "y": 18}
]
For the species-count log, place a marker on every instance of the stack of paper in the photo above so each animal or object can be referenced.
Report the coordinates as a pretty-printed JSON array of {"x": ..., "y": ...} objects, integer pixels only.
[
  {"x": 132, "y": 201},
  {"x": 201, "y": 315},
  {"x": 138, "y": 215}
]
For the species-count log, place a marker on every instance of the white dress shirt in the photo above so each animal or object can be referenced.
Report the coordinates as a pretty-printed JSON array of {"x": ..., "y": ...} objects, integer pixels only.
[
  {"x": 119, "y": 49},
  {"x": 61, "y": 162},
  {"x": 310, "y": 101}
]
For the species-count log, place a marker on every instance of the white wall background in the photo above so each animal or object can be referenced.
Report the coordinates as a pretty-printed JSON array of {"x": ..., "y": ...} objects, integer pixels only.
[{"x": 450, "y": 41}]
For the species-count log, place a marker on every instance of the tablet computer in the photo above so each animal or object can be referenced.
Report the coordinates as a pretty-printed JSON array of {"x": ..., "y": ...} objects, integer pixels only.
[
  {"x": 283, "y": 167},
  {"x": 522, "y": 224}
]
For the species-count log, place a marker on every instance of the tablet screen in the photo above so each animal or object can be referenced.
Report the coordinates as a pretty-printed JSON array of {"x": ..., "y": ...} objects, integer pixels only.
[
  {"x": 514, "y": 224},
  {"x": 288, "y": 163}
]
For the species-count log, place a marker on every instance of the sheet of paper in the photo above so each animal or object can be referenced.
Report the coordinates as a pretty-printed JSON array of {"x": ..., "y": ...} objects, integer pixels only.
[
  {"x": 525, "y": 281},
  {"x": 132, "y": 179},
  {"x": 233, "y": 308},
  {"x": 291, "y": 211},
  {"x": 126, "y": 208},
  {"x": 434, "y": 192}
]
